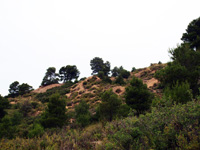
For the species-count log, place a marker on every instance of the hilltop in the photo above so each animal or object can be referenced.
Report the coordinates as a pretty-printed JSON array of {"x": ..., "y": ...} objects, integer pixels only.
[{"x": 90, "y": 89}]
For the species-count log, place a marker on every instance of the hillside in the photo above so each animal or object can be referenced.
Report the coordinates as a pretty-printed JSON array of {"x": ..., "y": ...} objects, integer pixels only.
[
  {"x": 91, "y": 88},
  {"x": 153, "y": 130}
]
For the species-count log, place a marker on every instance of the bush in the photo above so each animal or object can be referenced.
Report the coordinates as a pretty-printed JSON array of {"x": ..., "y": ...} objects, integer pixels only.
[
  {"x": 164, "y": 128},
  {"x": 37, "y": 130},
  {"x": 62, "y": 90},
  {"x": 133, "y": 69},
  {"x": 4, "y": 103},
  {"x": 137, "y": 96},
  {"x": 82, "y": 114},
  {"x": 180, "y": 93},
  {"x": 26, "y": 108},
  {"x": 125, "y": 74},
  {"x": 123, "y": 110},
  {"x": 119, "y": 80},
  {"x": 109, "y": 106},
  {"x": 54, "y": 115}
]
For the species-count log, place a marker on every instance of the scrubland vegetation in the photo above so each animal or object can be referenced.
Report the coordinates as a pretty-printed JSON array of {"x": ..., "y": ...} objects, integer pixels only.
[{"x": 113, "y": 109}]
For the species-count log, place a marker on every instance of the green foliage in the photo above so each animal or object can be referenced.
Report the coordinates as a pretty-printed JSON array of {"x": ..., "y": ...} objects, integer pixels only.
[
  {"x": 125, "y": 74},
  {"x": 54, "y": 115},
  {"x": 62, "y": 90},
  {"x": 37, "y": 130},
  {"x": 25, "y": 88},
  {"x": 192, "y": 35},
  {"x": 164, "y": 128},
  {"x": 14, "y": 89},
  {"x": 82, "y": 114},
  {"x": 176, "y": 127},
  {"x": 171, "y": 74},
  {"x": 101, "y": 75},
  {"x": 98, "y": 65},
  {"x": 6, "y": 129},
  {"x": 51, "y": 77},
  {"x": 68, "y": 73},
  {"x": 180, "y": 93},
  {"x": 16, "y": 118},
  {"x": 185, "y": 67},
  {"x": 104, "y": 78},
  {"x": 109, "y": 106},
  {"x": 120, "y": 71},
  {"x": 133, "y": 69},
  {"x": 4, "y": 103},
  {"x": 123, "y": 110},
  {"x": 26, "y": 108},
  {"x": 137, "y": 96},
  {"x": 120, "y": 80}
]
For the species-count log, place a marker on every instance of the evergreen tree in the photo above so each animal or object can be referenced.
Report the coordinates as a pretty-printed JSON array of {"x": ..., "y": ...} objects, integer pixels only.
[
  {"x": 192, "y": 35},
  {"x": 97, "y": 64},
  {"x": 137, "y": 96},
  {"x": 4, "y": 103},
  {"x": 82, "y": 114},
  {"x": 25, "y": 88},
  {"x": 51, "y": 77},
  {"x": 54, "y": 115},
  {"x": 109, "y": 106},
  {"x": 14, "y": 89},
  {"x": 68, "y": 73},
  {"x": 184, "y": 68}
]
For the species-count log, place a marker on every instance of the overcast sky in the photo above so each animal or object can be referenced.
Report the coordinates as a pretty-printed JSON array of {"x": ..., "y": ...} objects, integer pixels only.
[{"x": 37, "y": 34}]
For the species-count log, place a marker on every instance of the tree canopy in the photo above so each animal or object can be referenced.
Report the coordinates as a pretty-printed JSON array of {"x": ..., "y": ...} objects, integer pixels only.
[
  {"x": 185, "y": 67},
  {"x": 120, "y": 71},
  {"x": 137, "y": 96},
  {"x": 109, "y": 106},
  {"x": 192, "y": 35},
  {"x": 82, "y": 114},
  {"x": 97, "y": 64},
  {"x": 51, "y": 77},
  {"x": 16, "y": 89},
  {"x": 4, "y": 103},
  {"x": 68, "y": 73},
  {"x": 24, "y": 88},
  {"x": 54, "y": 115}
]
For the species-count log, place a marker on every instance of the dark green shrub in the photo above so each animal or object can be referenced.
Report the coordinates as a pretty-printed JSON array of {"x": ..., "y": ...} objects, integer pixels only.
[
  {"x": 137, "y": 96},
  {"x": 133, "y": 69},
  {"x": 54, "y": 115},
  {"x": 4, "y": 103},
  {"x": 124, "y": 139},
  {"x": 119, "y": 80},
  {"x": 82, "y": 114},
  {"x": 36, "y": 131},
  {"x": 164, "y": 128},
  {"x": 16, "y": 118},
  {"x": 180, "y": 93},
  {"x": 125, "y": 74},
  {"x": 26, "y": 108},
  {"x": 109, "y": 106},
  {"x": 123, "y": 110},
  {"x": 84, "y": 83}
]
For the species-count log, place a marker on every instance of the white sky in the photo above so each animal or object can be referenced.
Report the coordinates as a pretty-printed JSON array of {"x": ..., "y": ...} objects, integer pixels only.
[{"x": 37, "y": 34}]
